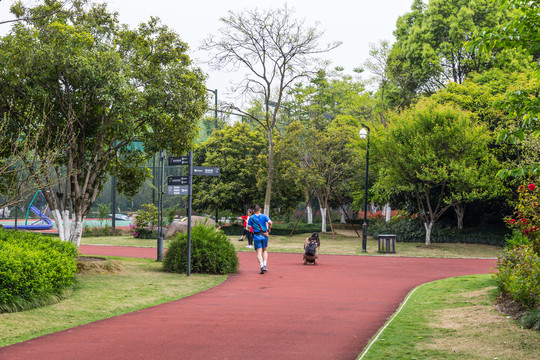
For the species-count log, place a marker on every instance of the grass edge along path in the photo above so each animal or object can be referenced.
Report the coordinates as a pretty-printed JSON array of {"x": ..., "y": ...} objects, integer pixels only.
[
  {"x": 343, "y": 244},
  {"x": 140, "y": 285},
  {"x": 439, "y": 320}
]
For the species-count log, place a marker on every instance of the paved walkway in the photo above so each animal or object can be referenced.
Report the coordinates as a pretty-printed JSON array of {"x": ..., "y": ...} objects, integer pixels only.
[{"x": 294, "y": 311}]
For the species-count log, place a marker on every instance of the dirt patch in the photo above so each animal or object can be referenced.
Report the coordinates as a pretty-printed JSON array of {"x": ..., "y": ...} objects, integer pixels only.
[
  {"x": 477, "y": 293},
  {"x": 348, "y": 232},
  {"x": 428, "y": 247},
  {"x": 507, "y": 305},
  {"x": 460, "y": 318},
  {"x": 91, "y": 265}
]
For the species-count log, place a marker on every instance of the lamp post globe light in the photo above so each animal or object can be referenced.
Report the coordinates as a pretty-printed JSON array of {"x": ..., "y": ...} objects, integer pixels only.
[{"x": 364, "y": 134}]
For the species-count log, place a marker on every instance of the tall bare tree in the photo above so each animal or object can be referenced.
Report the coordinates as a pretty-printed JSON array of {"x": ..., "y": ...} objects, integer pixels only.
[
  {"x": 277, "y": 50},
  {"x": 380, "y": 66}
]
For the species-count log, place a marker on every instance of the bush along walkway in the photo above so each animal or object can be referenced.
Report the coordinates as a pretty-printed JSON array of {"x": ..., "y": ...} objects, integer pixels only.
[{"x": 294, "y": 311}]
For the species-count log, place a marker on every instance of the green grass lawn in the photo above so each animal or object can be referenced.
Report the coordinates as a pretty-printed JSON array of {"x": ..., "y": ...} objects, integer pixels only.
[
  {"x": 454, "y": 319},
  {"x": 343, "y": 243}
]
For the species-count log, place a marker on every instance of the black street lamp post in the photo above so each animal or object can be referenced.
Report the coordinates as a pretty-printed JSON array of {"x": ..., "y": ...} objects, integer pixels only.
[{"x": 364, "y": 134}]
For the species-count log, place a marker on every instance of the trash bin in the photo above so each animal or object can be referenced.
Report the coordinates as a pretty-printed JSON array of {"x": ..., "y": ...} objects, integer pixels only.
[{"x": 387, "y": 243}]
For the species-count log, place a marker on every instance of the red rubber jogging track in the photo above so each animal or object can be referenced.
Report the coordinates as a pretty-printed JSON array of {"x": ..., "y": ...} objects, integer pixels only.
[{"x": 294, "y": 311}]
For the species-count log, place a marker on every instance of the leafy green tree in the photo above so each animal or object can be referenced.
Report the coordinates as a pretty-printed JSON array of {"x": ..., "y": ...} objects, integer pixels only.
[
  {"x": 518, "y": 34},
  {"x": 18, "y": 7},
  {"x": 331, "y": 94},
  {"x": 287, "y": 190},
  {"x": 207, "y": 125},
  {"x": 277, "y": 50},
  {"x": 239, "y": 153},
  {"x": 325, "y": 159},
  {"x": 484, "y": 96},
  {"x": 329, "y": 99},
  {"x": 431, "y": 40},
  {"x": 477, "y": 95},
  {"x": 433, "y": 151},
  {"x": 101, "y": 85}
]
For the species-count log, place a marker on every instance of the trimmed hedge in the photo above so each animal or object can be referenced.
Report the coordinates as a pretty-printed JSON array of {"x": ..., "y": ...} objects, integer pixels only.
[
  {"x": 281, "y": 229},
  {"x": 34, "y": 269},
  {"x": 412, "y": 230},
  {"x": 211, "y": 252}
]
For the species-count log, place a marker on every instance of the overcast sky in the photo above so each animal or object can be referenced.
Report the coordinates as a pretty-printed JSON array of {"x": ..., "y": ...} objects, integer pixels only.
[{"x": 355, "y": 23}]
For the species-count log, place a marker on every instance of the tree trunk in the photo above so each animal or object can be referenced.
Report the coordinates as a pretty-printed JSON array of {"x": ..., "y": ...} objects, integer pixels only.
[
  {"x": 323, "y": 219},
  {"x": 428, "y": 226},
  {"x": 460, "y": 213},
  {"x": 68, "y": 230},
  {"x": 309, "y": 212},
  {"x": 270, "y": 172},
  {"x": 342, "y": 216},
  {"x": 76, "y": 229},
  {"x": 309, "y": 209},
  {"x": 388, "y": 212},
  {"x": 57, "y": 217}
]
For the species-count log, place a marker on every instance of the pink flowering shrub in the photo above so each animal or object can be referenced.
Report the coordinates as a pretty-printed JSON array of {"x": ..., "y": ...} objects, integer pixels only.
[
  {"x": 518, "y": 267},
  {"x": 526, "y": 218}
]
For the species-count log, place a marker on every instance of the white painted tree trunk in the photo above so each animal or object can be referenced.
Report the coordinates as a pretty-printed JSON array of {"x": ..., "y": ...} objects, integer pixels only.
[
  {"x": 388, "y": 212},
  {"x": 68, "y": 230},
  {"x": 59, "y": 223},
  {"x": 342, "y": 216},
  {"x": 323, "y": 220},
  {"x": 309, "y": 212},
  {"x": 428, "y": 226},
  {"x": 76, "y": 230}
]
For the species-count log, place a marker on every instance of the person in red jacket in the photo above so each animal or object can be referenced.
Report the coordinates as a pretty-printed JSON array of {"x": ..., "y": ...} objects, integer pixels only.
[{"x": 248, "y": 230}]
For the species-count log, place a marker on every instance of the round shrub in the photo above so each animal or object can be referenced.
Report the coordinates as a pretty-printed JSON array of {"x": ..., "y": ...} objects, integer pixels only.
[
  {"x": 34, "y": 270},
  {"x": 211, "y": 252}
]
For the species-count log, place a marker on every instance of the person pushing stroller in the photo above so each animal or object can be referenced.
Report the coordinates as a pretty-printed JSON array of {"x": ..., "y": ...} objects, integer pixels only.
[{"x": 311, "y": 249}]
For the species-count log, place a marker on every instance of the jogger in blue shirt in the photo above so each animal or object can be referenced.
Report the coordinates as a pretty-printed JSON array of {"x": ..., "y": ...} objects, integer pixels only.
[{"x": 261, "y": 224}]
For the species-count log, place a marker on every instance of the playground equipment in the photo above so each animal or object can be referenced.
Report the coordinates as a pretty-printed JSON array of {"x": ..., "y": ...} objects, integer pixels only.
[{"x": 43, "y": 223}]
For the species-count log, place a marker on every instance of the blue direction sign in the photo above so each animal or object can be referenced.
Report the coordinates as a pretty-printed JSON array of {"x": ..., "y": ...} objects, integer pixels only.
[
  {"x": 178, "y": 160},
  {"x": 205, "y": 170},
  {"x": 177, "y": 190},
  {"x": 177, "y": 180}
]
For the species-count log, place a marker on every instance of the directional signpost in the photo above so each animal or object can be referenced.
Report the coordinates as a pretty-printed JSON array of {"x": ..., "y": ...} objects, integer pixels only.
[
  {"x": 178, "y": 160},
  {"x": 206, "y": 170},
  {"x": 181, "y": 185},
  {"x": 178, "y": 180},
  {"x": 178, "y": 190}
]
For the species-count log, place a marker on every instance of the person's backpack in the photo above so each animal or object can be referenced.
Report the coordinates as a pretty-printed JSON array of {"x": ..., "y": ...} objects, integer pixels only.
[{"x": 311, "y": 248}]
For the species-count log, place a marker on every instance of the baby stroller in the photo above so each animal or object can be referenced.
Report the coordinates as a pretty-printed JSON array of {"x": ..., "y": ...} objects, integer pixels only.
[{"x": 311, "y": 249}]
